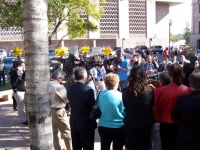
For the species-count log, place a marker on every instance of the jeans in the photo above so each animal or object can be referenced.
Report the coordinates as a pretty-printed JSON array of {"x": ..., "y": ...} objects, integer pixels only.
[
  {"x": 155, "y": 136},
  {"x": 2, "y": 75},
  {"x": 122, "y": 85}
]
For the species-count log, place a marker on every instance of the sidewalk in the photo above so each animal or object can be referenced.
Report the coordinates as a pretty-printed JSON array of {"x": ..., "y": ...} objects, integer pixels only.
[{"x": 13, "y": 134}]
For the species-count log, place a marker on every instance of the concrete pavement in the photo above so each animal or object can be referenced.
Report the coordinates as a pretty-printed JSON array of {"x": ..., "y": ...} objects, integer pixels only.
[{"x": 13, "y": 134}]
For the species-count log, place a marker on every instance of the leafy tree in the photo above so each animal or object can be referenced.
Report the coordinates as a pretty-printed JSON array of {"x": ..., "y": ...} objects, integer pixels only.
[
  {"x": 62, "y": 14},
  {"x": 186, "y": 34},
  {"x": 174, "y": 38}
]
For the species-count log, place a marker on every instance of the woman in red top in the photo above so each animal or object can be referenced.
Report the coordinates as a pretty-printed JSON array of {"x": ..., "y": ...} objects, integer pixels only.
[
  {"x": 166, "y": 100},
  {"x": 166, "y": 51}
]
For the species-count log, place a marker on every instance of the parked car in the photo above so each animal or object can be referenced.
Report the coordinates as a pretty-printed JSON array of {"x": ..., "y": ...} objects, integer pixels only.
[
  {"x": 156, "y": 49},
  {"x": 8, "y": 62},
  {"x": 3, "y": 53},
  {"x": 141, "y": 49}
]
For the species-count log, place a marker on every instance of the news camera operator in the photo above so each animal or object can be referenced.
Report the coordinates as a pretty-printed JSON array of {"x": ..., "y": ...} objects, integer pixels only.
[{"x": 123, "y": 69}]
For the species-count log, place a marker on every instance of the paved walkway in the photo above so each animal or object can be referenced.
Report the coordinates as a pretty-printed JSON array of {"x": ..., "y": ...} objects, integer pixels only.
[{"x": 13, "y": 134}]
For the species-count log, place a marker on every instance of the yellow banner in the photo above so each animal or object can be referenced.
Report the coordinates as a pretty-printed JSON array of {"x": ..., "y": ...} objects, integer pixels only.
[
  {"x": 85, "y": 49},
  {"x": 61, "y": 51},
  {"x": 17, "y": 51},
  {"x": 107, "y": 51}
]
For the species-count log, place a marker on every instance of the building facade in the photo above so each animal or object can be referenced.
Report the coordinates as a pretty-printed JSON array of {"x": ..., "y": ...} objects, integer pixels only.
[
  {"x": 125, "y": 23},
  {"x": 195, "y": 33}
]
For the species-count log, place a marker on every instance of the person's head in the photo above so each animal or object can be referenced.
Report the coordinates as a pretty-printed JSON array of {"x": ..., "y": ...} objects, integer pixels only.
[
  {"x": 194, "y": 80},
  {"x": 110, "y": 56},
  {"x": 174, "y": 58},
  {"x": 137, "y": 80},
  {"x": 18, "y": 64},
  {"x": 164, "y": 78},
  {"x": 120, "y": 54},
  {"x": 102, "y": 57},
  {"x": 188, "y": 68},
  {"x": 148, "y": 58},
  {"x": 183, "y": 58},
  {"x": 58, "y": 76},
  {"x": 111, "y": 81},
  {"x": 155, "y": 58},
  {"x": 139, "y": 57},
  {"x": 18, "y": 58},
  {"x": 175, "y": 72},
  {"x": 194, "y": 53},
  {"x": 80, "y": 74},
  {"x": 166, "y": 58},
  {"x": 135, "y": 59},
  {"x": 196, "y": 70},
  {"x": 61, "y": 66}
]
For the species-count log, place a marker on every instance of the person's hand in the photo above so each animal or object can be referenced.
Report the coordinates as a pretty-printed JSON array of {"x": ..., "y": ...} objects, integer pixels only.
[
  {"x": 150, "y": 71},
  {"x": 119, "y": 67}
]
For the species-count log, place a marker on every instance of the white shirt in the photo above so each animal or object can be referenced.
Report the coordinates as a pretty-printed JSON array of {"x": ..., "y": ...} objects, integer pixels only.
[{"x": 58, "y": 95}]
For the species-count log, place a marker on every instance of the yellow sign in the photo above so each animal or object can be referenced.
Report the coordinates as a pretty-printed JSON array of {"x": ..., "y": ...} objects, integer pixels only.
[
  {"x": 17, "y": 51},
  {"x": 85, "y": 49},
  {"x": 61, "y": 51},
  {"x": 107, "y": 50}
]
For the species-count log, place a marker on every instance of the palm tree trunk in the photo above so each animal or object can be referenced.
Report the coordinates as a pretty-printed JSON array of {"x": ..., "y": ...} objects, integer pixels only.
[{"x": 37, "y": 95}]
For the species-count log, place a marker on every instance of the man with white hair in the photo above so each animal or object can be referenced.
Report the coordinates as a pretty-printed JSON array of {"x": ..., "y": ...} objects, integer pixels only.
[{"x": 60, "y": 122}]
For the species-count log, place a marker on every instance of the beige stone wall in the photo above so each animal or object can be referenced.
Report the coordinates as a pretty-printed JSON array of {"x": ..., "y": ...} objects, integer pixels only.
[{"x": 162, "y": 25}]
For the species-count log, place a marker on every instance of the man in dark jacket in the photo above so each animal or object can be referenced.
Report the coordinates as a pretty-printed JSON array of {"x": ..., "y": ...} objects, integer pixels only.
[
  {"x": 81, "y": 99},
  {"x": 17, "y": 80},
  {"x": 186, "y": 112}
]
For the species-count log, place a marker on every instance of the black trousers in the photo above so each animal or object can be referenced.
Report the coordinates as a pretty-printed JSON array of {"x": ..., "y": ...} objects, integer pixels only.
[
  {"x": 138, "y": 138},
  {"x": 83, "y": 140},
  {"x": 168, "y": 136},
  {"x": 109, "y": 135}
]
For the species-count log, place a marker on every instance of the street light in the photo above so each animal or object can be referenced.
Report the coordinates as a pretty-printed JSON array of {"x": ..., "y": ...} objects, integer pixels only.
[{"x": 123, "y": 43}]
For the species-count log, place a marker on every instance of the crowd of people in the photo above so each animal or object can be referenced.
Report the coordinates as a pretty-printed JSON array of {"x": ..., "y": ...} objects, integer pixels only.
[{"x": 144, "y": 103}]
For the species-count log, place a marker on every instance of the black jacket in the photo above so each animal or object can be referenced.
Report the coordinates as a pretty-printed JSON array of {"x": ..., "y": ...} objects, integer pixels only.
[
  {"x": 81, "y": 99},
  {"x": 138, "y": 109},
  {"x": 16, "y": 81},
  {"x": 187, "y": 113}
]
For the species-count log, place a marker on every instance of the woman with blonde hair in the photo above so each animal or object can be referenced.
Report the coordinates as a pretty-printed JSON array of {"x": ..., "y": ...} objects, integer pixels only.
[{"x": 111, "y": 126}]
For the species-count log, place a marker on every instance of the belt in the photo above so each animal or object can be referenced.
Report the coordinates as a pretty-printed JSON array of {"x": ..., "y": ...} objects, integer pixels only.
[
  {"x": 20, "y": 91},
  {"x": 57, "y": 108}
]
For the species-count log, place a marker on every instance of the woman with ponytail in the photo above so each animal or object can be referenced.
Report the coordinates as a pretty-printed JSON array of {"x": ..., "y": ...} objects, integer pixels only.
[{"x": 166, "y": 100}]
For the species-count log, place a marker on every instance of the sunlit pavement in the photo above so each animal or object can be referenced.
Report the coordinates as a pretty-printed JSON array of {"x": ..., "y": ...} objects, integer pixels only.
[{"x": 13, "y": 134}]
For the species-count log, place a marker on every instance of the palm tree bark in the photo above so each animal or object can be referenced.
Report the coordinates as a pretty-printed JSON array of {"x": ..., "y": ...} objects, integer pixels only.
[{"x": 37, "y": 95}]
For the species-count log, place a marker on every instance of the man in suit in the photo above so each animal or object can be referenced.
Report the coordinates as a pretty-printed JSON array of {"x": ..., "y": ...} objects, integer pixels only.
[
  {"x": 186, "y": 112},
  {"x": 81, "y": 99},
  {"x": 150, "y": 68}
]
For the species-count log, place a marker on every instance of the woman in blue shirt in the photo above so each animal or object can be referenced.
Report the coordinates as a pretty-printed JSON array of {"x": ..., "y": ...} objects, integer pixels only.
[{"x": 111, "y": 126}]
